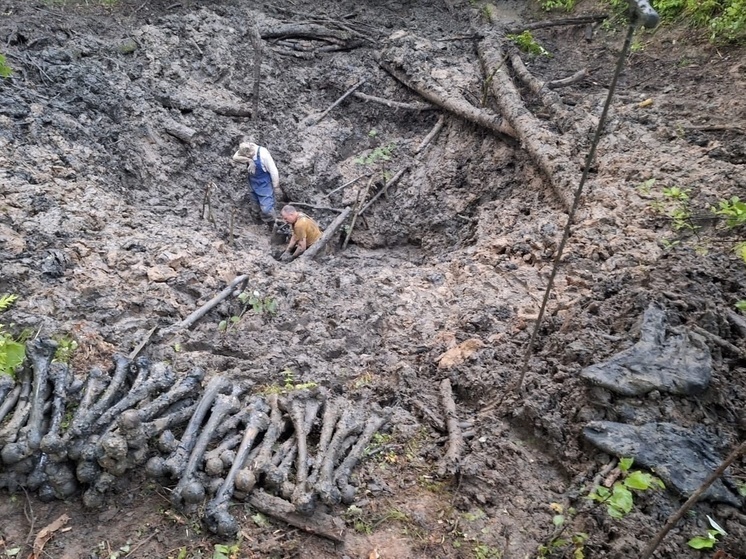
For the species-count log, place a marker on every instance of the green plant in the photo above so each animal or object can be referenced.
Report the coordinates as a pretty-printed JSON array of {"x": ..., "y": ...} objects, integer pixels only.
[
  {"x": 619, "y": 499},
  {"x": 12, "y": 350},
  {"x": 526, "y": 42},
  {"x": 646, "y": 187},
  {"x": 379, "y": 155},
  {"x": 5, "y": 69},
  {"x": 66, "y": 346},
  {"x": 709, "y": 540},
  {"x": 741, "y": 306},
  {"x": 261, "y": 305},
  {"x": 483, "y": 551},
  {"x": 227, "y": 551},
  {"x": 676, "y": 193},
  {"x": 734, "y": 210},
  {"x": 561, "y": 546},
  {"x": 566, "y": 5}
]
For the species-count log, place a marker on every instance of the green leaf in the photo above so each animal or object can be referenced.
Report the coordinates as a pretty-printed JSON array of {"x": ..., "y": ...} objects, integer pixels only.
[
  {"x": 600, "y": 494},
  {"x": 12, "y": 552},
  {"x": 223, "y": 326},
  {"x": 625, "y": 464},
  {"x": 741, "y": 305},
  {"x": 621, "y": 499},
  {"x": 638, "y": 480},
  {"x": 578, "y": 553},
  {"x": 558, "y": 520},
  {"x": 182, "y": 553},
  {"x": 260, "y": 520},
  {"x": 235, "y": 319},
  {"x": 699, "y": 542}
]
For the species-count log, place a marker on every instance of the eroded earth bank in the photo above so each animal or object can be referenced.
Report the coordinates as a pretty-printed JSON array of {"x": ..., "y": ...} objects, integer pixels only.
[{"x": 122, "y": 212}]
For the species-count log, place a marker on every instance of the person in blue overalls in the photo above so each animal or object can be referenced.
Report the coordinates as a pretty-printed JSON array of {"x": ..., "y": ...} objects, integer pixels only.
[{"x": 264, "y": 180}]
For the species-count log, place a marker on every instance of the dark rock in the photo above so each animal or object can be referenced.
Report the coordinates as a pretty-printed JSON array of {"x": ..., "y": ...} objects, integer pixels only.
[
  {"x": 682, "y": 458},
  {"x": 679, "y": 363}
]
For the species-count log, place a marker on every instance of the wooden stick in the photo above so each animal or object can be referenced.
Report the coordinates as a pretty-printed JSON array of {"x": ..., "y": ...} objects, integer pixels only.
[
  {"x": 394, "y": 104},
  {"x": 314, "y": 249},
  {"x": 207, "y": 307},
  {"x": 345, "y": 185},
  {"x": 357, "y": 213},
  {"x": 318, "y": 523},
  {"x": 721, "y": 128},
  {"x": 718, "y": 340},
  {"x": 564, "y": 82},
  {"x": 337, "y": 102},
  {"x": 580, "y": 20},
  {"x": 450, "y": 462},
  {"x": 432, "y": 134},
  {"x": 325, "y": 208},
  {"x": 691, "y": 500},
  {"x": 738, "y": 321},
  {"x": 256, "y": 43}
]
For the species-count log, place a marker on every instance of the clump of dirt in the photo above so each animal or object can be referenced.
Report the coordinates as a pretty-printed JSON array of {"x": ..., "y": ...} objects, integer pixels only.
[{"x": 110, "y": 229}]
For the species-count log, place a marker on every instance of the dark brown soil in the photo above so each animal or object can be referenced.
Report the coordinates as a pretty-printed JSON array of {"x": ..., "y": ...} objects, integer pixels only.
[{"x": 103, "y": 236}]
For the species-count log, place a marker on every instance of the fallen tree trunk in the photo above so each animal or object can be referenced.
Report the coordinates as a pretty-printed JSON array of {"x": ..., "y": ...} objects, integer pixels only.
[
  {"x": 580, "y": 20},
  {"x": 178, "y": 130},
  {"x": 318, "y": 523},
  {"x": 450, "y": 102},
  {"x": 540, "y": 144},
  {"x": 306, "y": 31},
  {"x": 316, "y": 247},
  {"x": 452, "y": 458},
  {"x": 394, "y": 104}
]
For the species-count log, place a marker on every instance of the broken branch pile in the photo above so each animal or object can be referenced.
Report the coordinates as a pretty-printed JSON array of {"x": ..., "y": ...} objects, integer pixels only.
[{"x": 59, "y": 437}]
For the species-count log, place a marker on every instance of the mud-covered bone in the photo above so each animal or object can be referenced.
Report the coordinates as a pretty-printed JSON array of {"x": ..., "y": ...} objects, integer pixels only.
[
  {"x": 247, "y": 477},
  {"x": 160, "y": 378},
  {"x": 176, "y": 463},
  {"x": 187, "y": 387},
  {"x": 217, "y": 517},
  {"x": 348, "y": 425},
  {"x": 344, "y": 470},
  {"x": 9, "y": 433},
  {"x": 277, "y": 476},
  {"x": 83, "y": 424},
  {"x": 10, "y": 397},
  {"x": 223, "y": 405},
  {"x": 51, "y": 443},
  {"x": 95, "y": 384},
  {"x": 7, "y": 383},
  {"x": 332, "y": 411},
  {"x": 303, "y": 410}
]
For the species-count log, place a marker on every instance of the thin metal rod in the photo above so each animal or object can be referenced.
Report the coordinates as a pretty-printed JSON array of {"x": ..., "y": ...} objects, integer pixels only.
[{"x": 576, "y": 201}]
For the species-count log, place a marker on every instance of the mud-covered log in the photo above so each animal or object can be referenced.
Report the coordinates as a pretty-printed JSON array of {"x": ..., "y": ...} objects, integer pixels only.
[
  {"x": 179, "y": 131},
  {"x": 550, "y": 99},
  {"x": 450, "y": 462},
  {"x": 541, "y": 145},
  {"x": 396, "y": 105},
  {"x": 319, "y": 524},
  {"x": 9, "y": 433},
  {"x": 328, "y": 234},
  {"x": 434, "y": 93},
  {"x": 306, "y": 31}
]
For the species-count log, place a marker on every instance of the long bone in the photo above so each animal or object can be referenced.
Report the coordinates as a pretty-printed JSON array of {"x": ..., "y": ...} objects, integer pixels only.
[
  {"x": 332, "y": 411},
  {"x": 9, "y": 433},
  {"x": 7, "y": 383},
  {"x": 10, "y": 397},
  {"x": 349, "y": 424},
  {"x": 217, "y": 517},
  {"x": 189, "y": 490},
  {"x": 160, "y": 378},
  {"x": 83, "y": 424},
  {"x": 277, "y": 477},
  {"x": 51, "y": 443},
  {"x": 187, "y": 386},
  {"x": 61, "y": 483},
  {"x": 247, "y": 477},
  {"x": 342, "y": 474},
  {"x": 303, "y": 415},
  {"x": 213, "y": 459},
  {"x": 176, "y": 462},
  {"x": 94, "y": 386},
  {"x": 40, "y": 353}
]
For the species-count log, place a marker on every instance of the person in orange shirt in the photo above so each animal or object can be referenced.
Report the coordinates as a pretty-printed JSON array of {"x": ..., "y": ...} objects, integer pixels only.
[{"x": 305, "y": 233}]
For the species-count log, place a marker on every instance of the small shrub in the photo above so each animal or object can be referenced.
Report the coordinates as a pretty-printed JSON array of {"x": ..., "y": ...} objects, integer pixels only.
[
  {"x": 526, "y": 42},
  {"x": 5, "y": 69},
  {"x": 619, "y": 499},
  {"x": 709, "y": 540}
]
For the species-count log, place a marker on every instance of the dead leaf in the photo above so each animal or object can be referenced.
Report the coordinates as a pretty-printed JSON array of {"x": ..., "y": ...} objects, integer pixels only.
[
  {"x": 457, "y": 355},
  {"x": 46, "y": 533},
  {"x": 645, "y": 103},
  {"x": 374, "y": 554}
]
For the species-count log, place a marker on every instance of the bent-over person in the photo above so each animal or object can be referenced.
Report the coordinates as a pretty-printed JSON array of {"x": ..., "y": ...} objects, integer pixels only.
[
  {"x": 264, "y": 180},
  {"x": 305, "y": 232}
]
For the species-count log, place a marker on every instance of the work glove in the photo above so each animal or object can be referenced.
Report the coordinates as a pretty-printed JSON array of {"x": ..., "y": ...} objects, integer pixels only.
[{"x": 286, "y": 257}]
